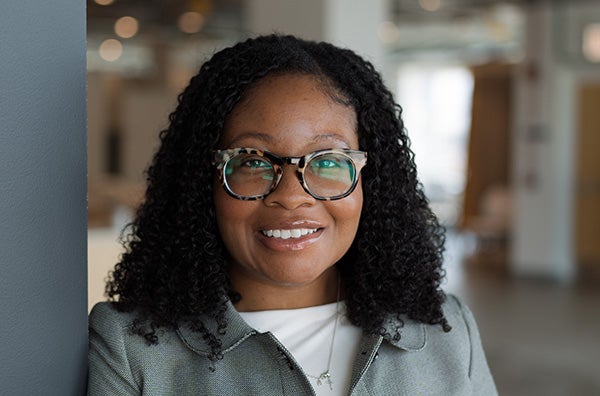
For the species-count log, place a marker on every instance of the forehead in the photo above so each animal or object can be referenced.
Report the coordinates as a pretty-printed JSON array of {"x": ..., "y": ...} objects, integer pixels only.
[{"x": 291, "y": 111}]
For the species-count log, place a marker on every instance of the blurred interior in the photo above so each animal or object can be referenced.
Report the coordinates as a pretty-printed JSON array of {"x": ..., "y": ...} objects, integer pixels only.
[{"x": 501, "y": 100}]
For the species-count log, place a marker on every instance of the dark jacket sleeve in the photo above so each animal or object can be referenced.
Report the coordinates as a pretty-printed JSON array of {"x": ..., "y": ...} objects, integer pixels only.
[{"x": 109, "y": 372}]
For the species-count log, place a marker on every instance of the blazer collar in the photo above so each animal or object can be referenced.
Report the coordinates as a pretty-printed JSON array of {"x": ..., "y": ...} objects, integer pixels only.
[
  {"x": 237, "y": 331},
  {"x": 412, "y": 334}
]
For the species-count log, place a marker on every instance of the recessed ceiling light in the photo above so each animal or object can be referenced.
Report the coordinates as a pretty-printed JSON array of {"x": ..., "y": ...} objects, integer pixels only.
[
  {"x": 126, "y": 27},
  {"x": 190, "y": 22},
  {"x": 111, "y": 50}
]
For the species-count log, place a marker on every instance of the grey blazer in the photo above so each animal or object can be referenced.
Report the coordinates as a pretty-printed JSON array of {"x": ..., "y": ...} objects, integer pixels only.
[{"x": 425, "y": 361}]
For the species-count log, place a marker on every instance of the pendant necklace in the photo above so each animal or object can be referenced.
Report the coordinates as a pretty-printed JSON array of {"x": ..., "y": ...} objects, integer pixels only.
[{"x": 325, "y": 376}]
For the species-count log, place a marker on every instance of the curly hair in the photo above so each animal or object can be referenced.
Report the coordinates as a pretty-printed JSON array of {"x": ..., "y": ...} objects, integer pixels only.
[{"x": 174, "y": 266}]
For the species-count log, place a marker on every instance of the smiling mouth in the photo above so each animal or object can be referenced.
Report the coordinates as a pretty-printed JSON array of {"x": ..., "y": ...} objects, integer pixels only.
[{"x": 289, "y": 234}]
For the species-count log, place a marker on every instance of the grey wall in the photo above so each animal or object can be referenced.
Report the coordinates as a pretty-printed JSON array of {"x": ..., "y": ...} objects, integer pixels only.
[{"x": 43, "y": 314}]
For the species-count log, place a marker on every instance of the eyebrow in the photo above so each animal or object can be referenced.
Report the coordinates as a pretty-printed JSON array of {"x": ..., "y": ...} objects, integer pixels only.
[
  {"x": 331, "y": 136},
  {"x": 253, "y": 135},
  {"x": 269, "y": 138}
]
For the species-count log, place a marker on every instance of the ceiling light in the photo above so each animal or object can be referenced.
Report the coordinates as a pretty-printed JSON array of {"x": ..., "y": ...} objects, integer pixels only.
[
  {"x": 126, "y": 27},
  {"x": 591, "y": 42},
  {"x": 430, "y": 5},
  {"x": 190, "y": 22},
  {"x": 388, "y": 32},
  {"x": 111, "y": 50},
  {"x": 104, "y": 2}
]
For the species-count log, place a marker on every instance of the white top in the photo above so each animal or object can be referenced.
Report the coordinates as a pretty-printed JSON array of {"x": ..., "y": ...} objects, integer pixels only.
[{"x": 307, "y": 334}]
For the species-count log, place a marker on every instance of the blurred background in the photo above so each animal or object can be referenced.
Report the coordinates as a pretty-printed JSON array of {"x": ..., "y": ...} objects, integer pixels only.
[{"x": 501, "y": 100}]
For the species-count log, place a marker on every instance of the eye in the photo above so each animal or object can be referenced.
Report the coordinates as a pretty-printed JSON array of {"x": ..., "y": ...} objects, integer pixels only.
[
  {"x": 255, "y": 163},
  {"x": 325, "y": 163}
]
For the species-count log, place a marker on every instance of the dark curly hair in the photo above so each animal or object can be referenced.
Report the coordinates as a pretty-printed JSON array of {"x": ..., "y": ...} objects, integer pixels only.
[{"x": 174, "y": 267}]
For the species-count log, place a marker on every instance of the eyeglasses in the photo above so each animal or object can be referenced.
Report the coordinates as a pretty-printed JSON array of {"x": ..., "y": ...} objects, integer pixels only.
[{"x": 250, "y": 174}]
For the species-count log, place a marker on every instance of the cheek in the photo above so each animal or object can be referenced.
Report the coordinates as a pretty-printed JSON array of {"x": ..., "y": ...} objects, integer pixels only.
[
  {"x": 230, "y": 213},
  {"x": 347, "y": 211}
]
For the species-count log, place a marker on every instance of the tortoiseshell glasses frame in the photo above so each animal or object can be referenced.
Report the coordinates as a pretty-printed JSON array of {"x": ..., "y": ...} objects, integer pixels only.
[{"x": 265, "y": 170}]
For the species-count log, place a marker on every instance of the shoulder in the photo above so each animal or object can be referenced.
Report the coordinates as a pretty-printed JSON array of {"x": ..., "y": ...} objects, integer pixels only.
[
  {"x": 109, "y": 325},
  {"x": 457, "y": 312},
  {"x": 105, "y": 314},
  {"x": 465, "y": 339},
  {"x": 464, "y": 328},
  {"x": 460, "y": 317},
  {"x": 108, "y": 361},
  {"x": 416, "y": 336},
  {"x": 442, "y": 362},
  {"x": 110, "y": 329},
  {"x": 461, "y": 345},
  {"x": 119, "y": 332},
  {"x": 118, "y": 358}
]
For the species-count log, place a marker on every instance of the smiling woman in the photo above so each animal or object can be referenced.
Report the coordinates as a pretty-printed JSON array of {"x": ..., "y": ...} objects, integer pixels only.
[
  {"x": 285, "y": 245},
  {"x": 294, "y": 117}
]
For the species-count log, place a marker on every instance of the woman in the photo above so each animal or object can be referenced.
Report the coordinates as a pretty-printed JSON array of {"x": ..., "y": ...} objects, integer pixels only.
[{"x": 285, "y": 246}]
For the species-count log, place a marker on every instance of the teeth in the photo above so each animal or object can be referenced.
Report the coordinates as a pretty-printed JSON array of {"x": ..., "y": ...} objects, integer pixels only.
[{"x": 287, "y": 234}]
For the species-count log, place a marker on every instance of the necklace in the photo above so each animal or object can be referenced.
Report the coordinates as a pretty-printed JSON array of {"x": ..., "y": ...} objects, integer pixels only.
[{"x": 326, "y": 375}]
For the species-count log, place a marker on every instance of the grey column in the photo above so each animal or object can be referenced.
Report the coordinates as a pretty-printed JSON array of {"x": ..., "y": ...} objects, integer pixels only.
[{"x": 43, "y": 315}]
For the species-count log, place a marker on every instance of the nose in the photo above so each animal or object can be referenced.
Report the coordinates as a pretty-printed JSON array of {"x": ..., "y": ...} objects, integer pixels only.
[{"x": 289, "y": 193}]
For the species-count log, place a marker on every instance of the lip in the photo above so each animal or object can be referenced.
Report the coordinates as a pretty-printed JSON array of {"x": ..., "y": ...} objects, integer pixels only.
[
  {"x": 291, "y": 244},
  {"x": 290, "y": 224}
]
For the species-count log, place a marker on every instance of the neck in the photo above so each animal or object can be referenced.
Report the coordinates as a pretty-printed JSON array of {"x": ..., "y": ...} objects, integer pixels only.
[{"x": 260, "y": 295}]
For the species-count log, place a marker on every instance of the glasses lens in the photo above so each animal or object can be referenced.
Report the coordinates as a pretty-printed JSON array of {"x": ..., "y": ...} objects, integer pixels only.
[
  {"x": 330, "y": 175},
  {"x": 249, "y": 175}
]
